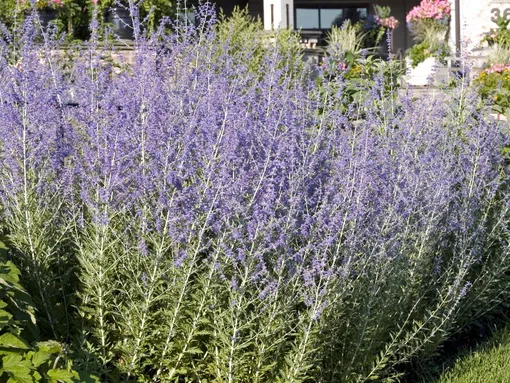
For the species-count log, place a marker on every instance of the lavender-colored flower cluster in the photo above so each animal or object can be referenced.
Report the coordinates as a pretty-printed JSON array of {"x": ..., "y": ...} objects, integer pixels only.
[{"x": 196, "y": 219}]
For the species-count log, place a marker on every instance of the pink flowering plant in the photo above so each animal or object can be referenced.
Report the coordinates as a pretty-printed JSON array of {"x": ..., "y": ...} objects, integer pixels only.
[
  {"x": 390, "y": 23},
  {"x": 431, "y": 16},
  {"x": 429, "y": 23},
  {"x": 439, "y": 10},
  {"x": 377, "y": 25},
  {"x": 499, "y": 68}
]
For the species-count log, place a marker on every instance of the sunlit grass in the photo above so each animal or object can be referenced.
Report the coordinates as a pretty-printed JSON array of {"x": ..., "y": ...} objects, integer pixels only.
[{"x": 489, "y": 362}]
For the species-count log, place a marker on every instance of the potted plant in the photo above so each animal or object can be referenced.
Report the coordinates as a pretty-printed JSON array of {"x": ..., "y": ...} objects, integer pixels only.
[
  {"x": 64, "y": 14},
  {"x": 48, "y": 10},
  {"x": 429, "y": 24},
  {"x": 117, "y": 14}
]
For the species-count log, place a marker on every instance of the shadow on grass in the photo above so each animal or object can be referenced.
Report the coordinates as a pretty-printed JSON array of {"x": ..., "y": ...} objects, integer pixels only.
[{"x": 480, "y": 354}]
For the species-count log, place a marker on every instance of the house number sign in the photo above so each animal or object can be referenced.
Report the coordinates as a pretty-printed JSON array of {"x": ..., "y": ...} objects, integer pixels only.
[
  {"x": 502, "y": 10},
  {"x": 497, "y": 13}
]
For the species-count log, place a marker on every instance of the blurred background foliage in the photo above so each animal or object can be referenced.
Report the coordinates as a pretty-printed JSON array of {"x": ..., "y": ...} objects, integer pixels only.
[{"x": 74, "y": 16}]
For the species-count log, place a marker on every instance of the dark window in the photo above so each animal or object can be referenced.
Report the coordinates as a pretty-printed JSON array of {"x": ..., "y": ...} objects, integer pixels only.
[
  {"x": 330, "y": 17},
  {"x": 307, "y": 18},
  {"x": 324, "y": 17}
]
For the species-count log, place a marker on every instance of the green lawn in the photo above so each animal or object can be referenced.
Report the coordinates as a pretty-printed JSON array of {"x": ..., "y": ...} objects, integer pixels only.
[{"x": 487, "y": 363}]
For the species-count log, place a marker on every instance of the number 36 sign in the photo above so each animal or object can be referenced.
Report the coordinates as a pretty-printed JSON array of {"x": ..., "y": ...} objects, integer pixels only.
[
  {"x": 501, "y": 10},
  {"x": 498, "y": 12}
]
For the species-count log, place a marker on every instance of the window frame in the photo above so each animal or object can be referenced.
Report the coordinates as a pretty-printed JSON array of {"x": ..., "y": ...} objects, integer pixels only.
[{"x": 320, "y": 6}]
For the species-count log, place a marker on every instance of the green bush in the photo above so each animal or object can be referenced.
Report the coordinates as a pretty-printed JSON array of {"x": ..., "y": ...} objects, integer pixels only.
[
  {"x": 244, "y": 34},
  {"x": 357, "y": 77},
  {"x": 419, "y": 53},
  {"x": 494, "y": 84},
  {"x": 7, "y": 11},
  {"x": 23, "y": 356},
  {"x": 501, "y": 35},
  {"x": 346, "y": 39},
  {"x": 422, "y": 51}
]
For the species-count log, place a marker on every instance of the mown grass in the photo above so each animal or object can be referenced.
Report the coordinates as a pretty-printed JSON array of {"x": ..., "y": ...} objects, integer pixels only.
[{"x": 486, "y": 362}]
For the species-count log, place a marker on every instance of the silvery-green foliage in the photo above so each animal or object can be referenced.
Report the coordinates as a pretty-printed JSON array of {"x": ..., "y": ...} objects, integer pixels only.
[
  {"x": 208, "y": 220},
  {"x": 244, "y": 39},
  {"x": 33, "y": 180},
  {"x": 345, "y": 39},
  {"x": 499, "y": 55}
]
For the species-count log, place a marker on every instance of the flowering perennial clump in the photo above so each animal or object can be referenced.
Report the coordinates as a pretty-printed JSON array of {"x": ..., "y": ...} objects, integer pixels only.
[
  {"x": 388, "y": 22},
  {"x": 375, "y": 27},
  {"x": 194, "y": 218},
  {"x": 494, "y": 84},
  {"x": 498, "y": 68},
  {"x": 428, "y": 23},
  {"x": 439, "y": 10}
]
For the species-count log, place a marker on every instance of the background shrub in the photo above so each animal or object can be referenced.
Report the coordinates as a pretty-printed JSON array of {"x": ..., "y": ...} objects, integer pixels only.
[
  {"x": 494, "y": 85},
  {"x": 7, "y": 12}
]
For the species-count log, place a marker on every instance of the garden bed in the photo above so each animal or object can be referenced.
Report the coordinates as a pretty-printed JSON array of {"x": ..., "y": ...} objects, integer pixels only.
[{"x": 222, "y": 210}]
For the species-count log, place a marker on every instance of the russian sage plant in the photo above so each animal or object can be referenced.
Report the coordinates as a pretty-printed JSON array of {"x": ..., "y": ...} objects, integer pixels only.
[{"x": 192, "y": 217}]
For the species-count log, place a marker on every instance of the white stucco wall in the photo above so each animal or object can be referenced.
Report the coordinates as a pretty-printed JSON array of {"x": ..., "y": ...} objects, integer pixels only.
[
  {"x": 280, "y": 9},
  {"x": 476, "y": 18}
]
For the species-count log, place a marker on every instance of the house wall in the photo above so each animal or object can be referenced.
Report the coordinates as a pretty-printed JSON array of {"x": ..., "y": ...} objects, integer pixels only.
[
  {"x": 278, "y": 14},
  {"x": 227, "y": 6},
  {"x": 476, "y": 15},
  {"x": 400, "y": 8},
  {"x": 256, "y": 8}
]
